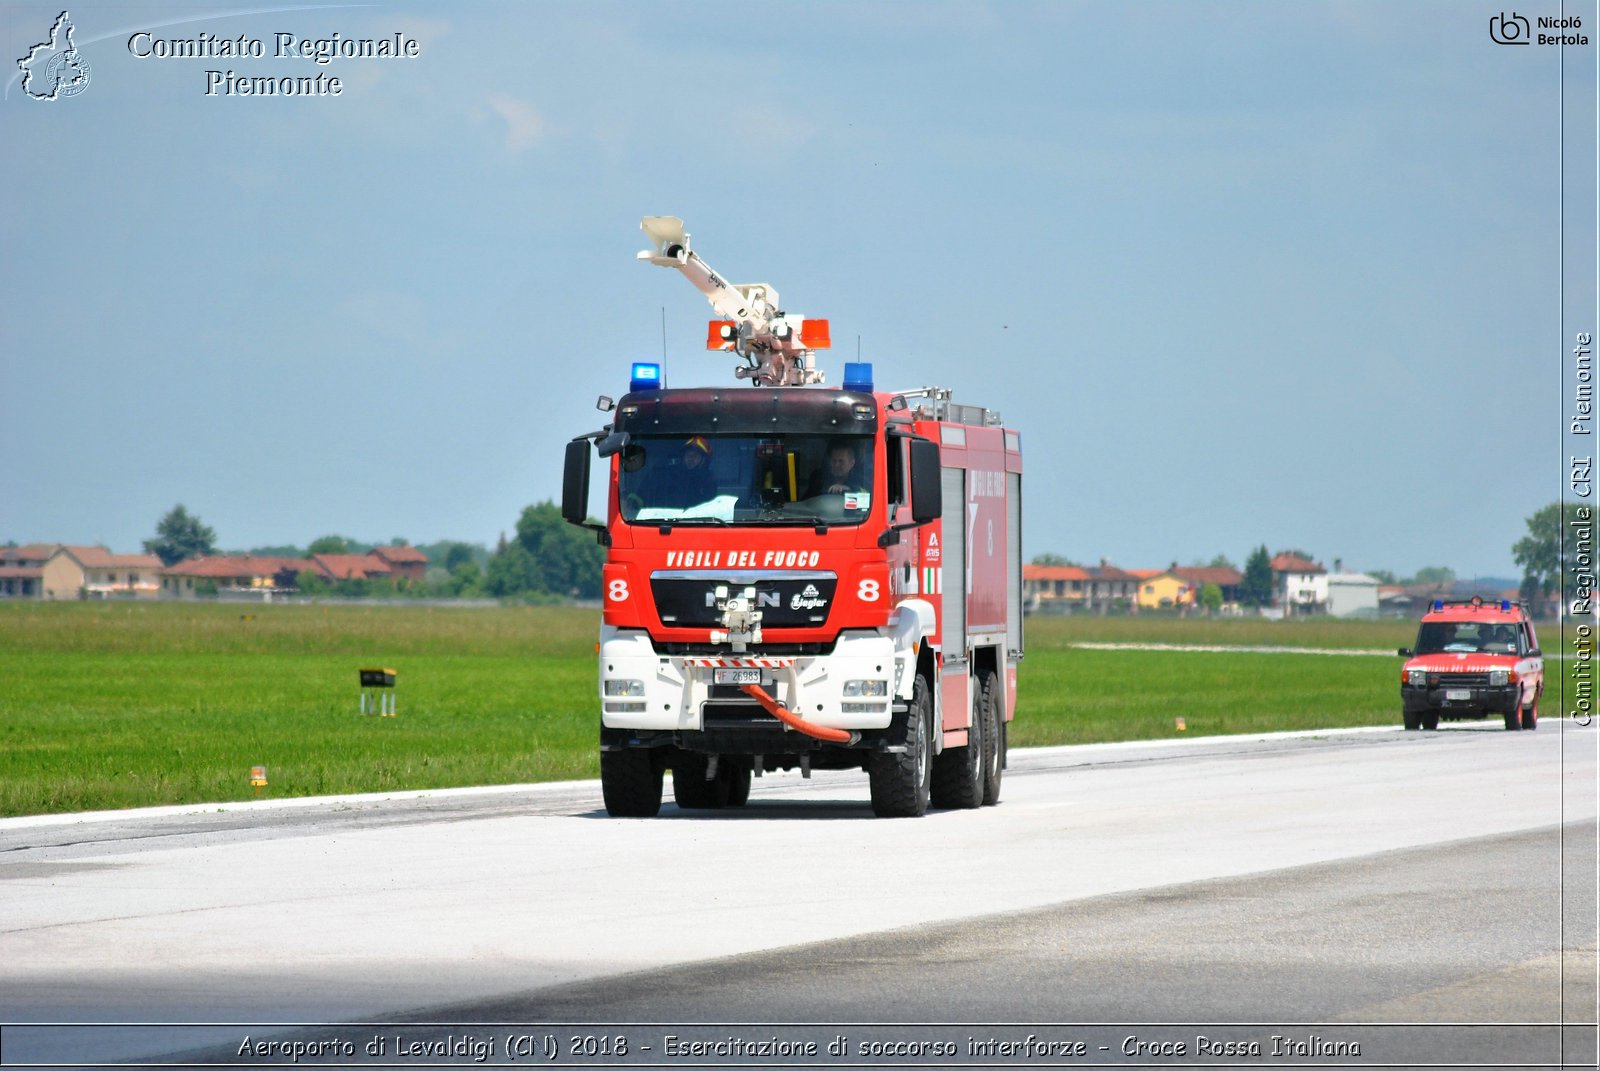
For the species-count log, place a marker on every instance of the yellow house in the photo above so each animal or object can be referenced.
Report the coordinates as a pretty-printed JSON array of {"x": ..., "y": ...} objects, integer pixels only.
[{"x": 1165, "y": 590}]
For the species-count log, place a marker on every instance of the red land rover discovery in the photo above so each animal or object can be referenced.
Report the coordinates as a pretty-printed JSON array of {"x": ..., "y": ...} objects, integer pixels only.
[{"x": 1473, "y": 659}]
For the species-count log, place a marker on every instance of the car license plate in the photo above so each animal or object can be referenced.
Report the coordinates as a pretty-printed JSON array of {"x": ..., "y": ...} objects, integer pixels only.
[
  {"x": 736, "y": 676},
  {"x": 1458, "y": 695}
]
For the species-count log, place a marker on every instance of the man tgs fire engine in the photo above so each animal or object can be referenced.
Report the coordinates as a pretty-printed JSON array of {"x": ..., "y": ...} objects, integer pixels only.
[{"x": 800, "y": 576}]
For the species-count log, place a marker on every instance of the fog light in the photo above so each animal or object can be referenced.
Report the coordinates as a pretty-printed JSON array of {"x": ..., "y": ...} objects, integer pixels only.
[
  {"x": 866, "y": 688},
  {"x": 630, "y": 688}
]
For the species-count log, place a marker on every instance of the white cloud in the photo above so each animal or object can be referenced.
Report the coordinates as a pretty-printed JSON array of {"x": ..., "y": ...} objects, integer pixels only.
[{"x": 524, "y": 125}]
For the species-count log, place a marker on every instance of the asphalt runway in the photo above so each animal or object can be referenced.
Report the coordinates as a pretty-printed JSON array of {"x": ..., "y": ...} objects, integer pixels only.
[{"x": 1427, "y": 897}]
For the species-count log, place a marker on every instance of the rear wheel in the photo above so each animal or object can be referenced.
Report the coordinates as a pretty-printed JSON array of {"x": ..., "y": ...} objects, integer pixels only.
[
  {"x": 630, "y": 783},
  {"x": 900, "y": 780},
  {"x": 1430, "y": 722},
  {"x": 958, "y": 771},
  {"x": 1413, "y": 722},
  {"x": 994, "y": 740}
]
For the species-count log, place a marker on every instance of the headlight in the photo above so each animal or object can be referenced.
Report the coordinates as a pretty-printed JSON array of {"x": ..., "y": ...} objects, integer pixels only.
[
  {"x": 633, "y": 688},
  {"x": 1418, "y": 678},
  {"x": 1497, "y": 677},
  {"x": 866, "y": 688}
]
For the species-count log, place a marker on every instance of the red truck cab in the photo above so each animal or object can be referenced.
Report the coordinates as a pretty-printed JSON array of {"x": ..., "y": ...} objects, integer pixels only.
[{"x": 1473, "y": 658}]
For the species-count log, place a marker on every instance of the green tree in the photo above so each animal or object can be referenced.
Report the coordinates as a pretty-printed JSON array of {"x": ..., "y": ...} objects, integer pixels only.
[
  {"x": 1539, "y": 553},
  {"x": 180, "y": 536},
  {"x": 1382, "y": 576},
  {"x": 567, "y": 560},
  {"x": 311, "y": 582},
  {"x": 330, "y": 544},
  {"x": 1257, "y": 587},
  {"x": 1052, "y": 559},
  {"x": 512, "y": 571},
  {"x": 1434, "y": 574},
  {"x": 1211, "y": 596}
]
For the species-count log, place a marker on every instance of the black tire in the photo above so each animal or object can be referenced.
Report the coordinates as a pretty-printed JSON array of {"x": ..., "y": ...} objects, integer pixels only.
[
  {"x": 994, "y": 740},
  {"x": 900, "y": 781},
  {"x": 1430, "y": 722},
  {"x": 1530, "y": 716},
  {"x": 691, "y": 790},
  {"x": 1413, "y": 722},
  {"x": 1513, "y": 721},
  {"x": 630, "y": 783},
  {"x": 737, "y": 774},
  {"x": 958, "y": 771}
]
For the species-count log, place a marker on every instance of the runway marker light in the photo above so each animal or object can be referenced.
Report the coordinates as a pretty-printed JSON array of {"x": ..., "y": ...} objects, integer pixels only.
[
  {"x": 258, "y": 778},
  {"x": 1181, "y": 726},
  {"x": 377, "y": 692}
]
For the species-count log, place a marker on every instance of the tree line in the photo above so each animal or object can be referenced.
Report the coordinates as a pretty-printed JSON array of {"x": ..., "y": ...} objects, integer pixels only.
[{"x": 546, "y": 560}]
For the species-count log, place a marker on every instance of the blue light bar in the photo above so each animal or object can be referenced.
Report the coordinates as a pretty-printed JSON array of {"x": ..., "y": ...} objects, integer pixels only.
[
  {"x": 1505, "y": 605},
  {"x": 646, "y": 375},
  {"x": 1438, "y": 604},
  {"x": 858, "y": 375}
]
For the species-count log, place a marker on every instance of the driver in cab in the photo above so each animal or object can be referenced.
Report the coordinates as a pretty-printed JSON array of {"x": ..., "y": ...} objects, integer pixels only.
[{"x": 841, "y": 475}]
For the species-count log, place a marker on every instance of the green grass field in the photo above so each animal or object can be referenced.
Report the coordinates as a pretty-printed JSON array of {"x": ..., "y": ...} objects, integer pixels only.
[{"x": 119, "y": 705}]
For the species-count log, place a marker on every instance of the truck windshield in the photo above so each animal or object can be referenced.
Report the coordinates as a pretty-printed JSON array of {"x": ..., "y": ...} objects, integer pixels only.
[
  {"x": 746, "y": 479},
  {"x": 1466, "y": 637}
]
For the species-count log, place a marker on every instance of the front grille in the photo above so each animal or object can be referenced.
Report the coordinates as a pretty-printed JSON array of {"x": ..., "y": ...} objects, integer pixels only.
[
  {"x": 736, "y": 715},
  {"x": 1460, "y": 680}
]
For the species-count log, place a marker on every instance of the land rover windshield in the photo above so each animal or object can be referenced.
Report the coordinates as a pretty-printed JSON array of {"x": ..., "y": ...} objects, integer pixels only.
[{"x": 1466, "y": 637}]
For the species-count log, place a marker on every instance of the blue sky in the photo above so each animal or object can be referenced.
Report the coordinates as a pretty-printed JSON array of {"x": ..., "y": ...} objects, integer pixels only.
[{"x": 1239, "y": 273}]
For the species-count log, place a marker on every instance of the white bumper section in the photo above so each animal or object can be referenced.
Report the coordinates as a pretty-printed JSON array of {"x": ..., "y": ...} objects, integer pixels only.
[{"x": 640, "y": 689}]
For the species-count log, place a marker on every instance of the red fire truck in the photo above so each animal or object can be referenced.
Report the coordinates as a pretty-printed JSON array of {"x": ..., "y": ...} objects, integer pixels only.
[{"x": 800, "y": 576}]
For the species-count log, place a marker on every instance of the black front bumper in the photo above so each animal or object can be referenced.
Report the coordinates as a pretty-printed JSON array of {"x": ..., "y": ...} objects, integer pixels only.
[{"x": 1485, "y": 699}]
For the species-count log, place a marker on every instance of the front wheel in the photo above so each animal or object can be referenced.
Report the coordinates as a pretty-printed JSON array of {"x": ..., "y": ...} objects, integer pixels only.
[
  {"x": 630, "y": 783},
  {"x": 1430, "y": 722},
  {"x": 900, "y": 779},
  {"x": 1530, "y": 716},
  {"x": 1513, "y": 721},
  {"x": 1413, "y": 722}
]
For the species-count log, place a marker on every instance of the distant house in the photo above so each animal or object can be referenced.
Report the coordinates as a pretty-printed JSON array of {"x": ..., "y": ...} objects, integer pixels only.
[
  {"x": 1228, "y": 580},
  {"x": 1053, "y": 588},
  {"x": 1110, "y": 586},
  {"x": 1352, "y": 594},
  {"x": 351, "y": 566},
  {"x": 22, "y": 570},
  {"x": 1164, "y": 589},
  {"x": 263, "y": 577},
  {"x": 1299, "y": 586},
  {"x": 405, "y": 563},
  {"x": 58, "y": 571}
]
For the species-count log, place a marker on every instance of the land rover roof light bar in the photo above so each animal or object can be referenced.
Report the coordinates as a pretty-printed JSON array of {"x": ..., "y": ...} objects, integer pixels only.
[{"x": 776, "y": 346}]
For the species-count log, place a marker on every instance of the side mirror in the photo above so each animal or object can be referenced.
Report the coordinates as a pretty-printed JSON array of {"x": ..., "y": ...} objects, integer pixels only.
[
  {"x": 1536, "y": 653},
  {"x": 575, "y": 483},
  {"x": 1405, "y": 652},
  {"x": 927, "y": 488}
]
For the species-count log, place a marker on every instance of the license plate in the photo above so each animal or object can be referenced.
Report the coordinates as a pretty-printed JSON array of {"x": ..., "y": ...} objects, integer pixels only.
[
  {"x": 1458, "y": 695},
  {"x": 736, "y": 676}
]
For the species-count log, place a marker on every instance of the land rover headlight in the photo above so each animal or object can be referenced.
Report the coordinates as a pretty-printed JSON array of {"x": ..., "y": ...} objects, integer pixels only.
[
  {"x": 624, "y": 688},
  {"x": 1417, "y": 678},
  {"x": 866, "y": 689},
  {"x": 1498, "y": 677}
]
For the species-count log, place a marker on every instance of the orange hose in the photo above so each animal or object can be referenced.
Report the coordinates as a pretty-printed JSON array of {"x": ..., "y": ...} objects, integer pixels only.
[{"x": 794, "y": 721}]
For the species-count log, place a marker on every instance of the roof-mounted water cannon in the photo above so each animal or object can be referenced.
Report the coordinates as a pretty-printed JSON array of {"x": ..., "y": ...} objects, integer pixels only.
[{"x": 777, "y": 346}]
